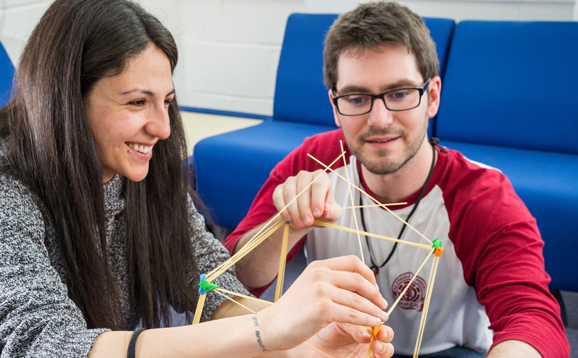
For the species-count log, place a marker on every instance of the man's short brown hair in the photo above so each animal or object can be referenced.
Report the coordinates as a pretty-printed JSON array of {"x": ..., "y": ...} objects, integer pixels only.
[{"x": 372, "y": 25}]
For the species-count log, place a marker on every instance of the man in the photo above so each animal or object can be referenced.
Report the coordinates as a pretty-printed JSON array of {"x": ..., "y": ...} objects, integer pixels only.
[{"x": 382, "y": 70}]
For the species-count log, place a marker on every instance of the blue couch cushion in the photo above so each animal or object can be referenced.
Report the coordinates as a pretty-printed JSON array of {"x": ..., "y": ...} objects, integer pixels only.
[
  {"x": 546, "y": 182},
  {"x": 512, "y": 84},
  {"x": 231, "y": 168},
  {"x": 6, "y": 76},
  {"x": 300, "y": 93}
]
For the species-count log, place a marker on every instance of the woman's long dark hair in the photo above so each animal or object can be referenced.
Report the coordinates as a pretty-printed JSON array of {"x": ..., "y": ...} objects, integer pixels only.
[{"x": 53, "y": 152}]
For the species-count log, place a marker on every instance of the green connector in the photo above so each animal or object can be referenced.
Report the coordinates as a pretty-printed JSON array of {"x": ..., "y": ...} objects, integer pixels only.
[
  {"x": 438, "y": 248},
  {"x": 206, "y": 286}
]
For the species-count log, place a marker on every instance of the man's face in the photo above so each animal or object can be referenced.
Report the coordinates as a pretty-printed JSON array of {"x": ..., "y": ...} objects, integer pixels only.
[{"x": 382, "y": 140}]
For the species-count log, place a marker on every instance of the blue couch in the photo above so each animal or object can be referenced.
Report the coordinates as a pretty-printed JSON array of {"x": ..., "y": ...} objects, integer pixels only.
[
  {"x": 507, "y": 101},
  {"x": 232, "y": 167},
  {"x": 6, "y": 76}
]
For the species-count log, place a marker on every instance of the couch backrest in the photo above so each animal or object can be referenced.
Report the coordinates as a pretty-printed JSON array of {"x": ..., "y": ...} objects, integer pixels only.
[
  {"x": 512, "y": 84},
  {"x": 300, "y": 94},
  {"x": 6, "y": 76}
]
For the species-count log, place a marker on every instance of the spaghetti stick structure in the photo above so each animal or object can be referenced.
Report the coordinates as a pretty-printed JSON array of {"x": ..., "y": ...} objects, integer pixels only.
[
  {"x": 364, "y": 206},
  {"x": 352, "y": 204},
  {"x": 282, "y": 262},
  {"x": 276, "y": 222}
]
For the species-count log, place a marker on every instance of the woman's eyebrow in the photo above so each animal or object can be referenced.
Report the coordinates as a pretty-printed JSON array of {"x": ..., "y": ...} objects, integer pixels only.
[{"x": 145, "y": 91}]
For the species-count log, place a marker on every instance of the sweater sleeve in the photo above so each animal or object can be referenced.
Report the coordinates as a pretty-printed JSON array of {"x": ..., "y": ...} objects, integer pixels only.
[
  {"x": 37, "y": 318},
  {"x": 210, "y": 253}
]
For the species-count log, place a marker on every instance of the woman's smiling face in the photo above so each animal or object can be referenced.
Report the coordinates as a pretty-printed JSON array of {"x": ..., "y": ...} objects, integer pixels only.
[{"x": 128, "y": 114}]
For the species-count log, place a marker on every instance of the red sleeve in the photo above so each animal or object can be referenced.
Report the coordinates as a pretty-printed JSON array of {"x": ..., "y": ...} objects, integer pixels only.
[
  {"x": 498, "y": 242},
  {"x": 324, "y": 147}
]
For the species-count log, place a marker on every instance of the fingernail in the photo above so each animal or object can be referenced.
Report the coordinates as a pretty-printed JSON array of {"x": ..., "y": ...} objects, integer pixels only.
[
  {"x": 288, "y": 217},
  {"x": 385, "y": 316},
  {"x": 307, "y": 219},
  {"x": 316, "y": 212},
  {"x": 378, "y": 346},
  {"x": 365, "y": 334},
  {"x": 298, "y": 222},
  {"x": 376, "y": 322},
  {"x": 385, "y": 302}
]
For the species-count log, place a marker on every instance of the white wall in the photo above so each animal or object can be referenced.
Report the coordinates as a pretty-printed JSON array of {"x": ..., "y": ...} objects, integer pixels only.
[
  {"x": 229, "y": 49},
  {"x": 551, "y": 10}
]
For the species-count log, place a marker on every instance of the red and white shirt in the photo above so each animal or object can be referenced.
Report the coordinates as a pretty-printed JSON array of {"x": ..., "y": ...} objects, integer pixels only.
[{"x": 490, "y": 286}]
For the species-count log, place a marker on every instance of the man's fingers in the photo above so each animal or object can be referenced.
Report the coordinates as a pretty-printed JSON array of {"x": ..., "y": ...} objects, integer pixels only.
[
  {"x": 289, "y": 193},
  {"x": 279, "y": 202},
  {"x": 320, "y": 191},
  {"x": 304, "y": 186}
]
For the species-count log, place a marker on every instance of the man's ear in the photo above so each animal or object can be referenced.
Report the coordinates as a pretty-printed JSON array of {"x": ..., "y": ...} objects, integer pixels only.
[
  {"x": 434, "y": 88},
  {"x": 330, "y": 93}
]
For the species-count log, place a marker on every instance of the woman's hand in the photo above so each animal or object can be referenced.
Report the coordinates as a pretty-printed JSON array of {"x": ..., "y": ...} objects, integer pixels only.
[{"x": 340, "y": 290}]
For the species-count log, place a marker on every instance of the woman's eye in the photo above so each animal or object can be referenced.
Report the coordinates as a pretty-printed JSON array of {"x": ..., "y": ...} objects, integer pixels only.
[{"x": 137, "y": 103}]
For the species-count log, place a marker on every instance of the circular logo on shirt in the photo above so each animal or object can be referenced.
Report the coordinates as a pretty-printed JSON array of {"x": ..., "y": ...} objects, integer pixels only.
[{"x": 414, "y": 297}]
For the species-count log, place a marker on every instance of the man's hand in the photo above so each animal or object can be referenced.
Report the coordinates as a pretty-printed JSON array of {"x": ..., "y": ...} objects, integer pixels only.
[
  {"x": 316, "y": 201},
  {"x": 259, "y": 267}
]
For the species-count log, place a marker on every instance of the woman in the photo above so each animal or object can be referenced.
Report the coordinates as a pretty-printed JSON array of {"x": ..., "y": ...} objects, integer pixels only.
[{"x": 97, "y": 229}]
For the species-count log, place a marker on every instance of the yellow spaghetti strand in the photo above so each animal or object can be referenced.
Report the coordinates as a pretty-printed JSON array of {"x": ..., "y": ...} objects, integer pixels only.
[
  {"x": 369, "y": 349},
  {"x": 242, "y": 295},
  {"x": 352, "y": 204},
  {"x": 282, "y": 262},
  {"x": 199, "y": 309},
  {"x": 239, "y": 255},
  {"x": 364, "y": 206},
  {"x": 408, "y": 285},
  {"x": 235, "y": 301},
  {"x": 423, "y": 312},
  {"x": 369, "y": 196},
  {"x": 436, "y": 263},
  {"x": 338, "y": 227},
  {"x": 317, "y": 349}
]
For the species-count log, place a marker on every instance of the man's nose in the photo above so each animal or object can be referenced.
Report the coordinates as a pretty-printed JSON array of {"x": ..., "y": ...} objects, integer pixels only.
[{"x": 380, "y": 116}]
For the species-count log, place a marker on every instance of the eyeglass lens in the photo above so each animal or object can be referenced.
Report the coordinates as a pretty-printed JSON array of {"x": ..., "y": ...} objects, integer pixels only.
[{"x": 399, "y": 100}]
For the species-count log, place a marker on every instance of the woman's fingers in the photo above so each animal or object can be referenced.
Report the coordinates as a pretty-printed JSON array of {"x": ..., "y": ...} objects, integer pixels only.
[
  {"x": 350, "y": 307},
  {"x": 348, "y": 263}
]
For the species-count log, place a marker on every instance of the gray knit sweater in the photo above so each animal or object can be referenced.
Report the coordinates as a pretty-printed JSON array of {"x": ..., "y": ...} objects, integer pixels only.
[{"x": 37, "y": 319}]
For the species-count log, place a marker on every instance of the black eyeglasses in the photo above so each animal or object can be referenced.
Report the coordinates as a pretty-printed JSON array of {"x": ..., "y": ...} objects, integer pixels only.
[{"x": 401, "y": 99}]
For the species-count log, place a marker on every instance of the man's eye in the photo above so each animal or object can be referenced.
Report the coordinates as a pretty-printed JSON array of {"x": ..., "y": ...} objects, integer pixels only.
[
  {"x": 357, "y": 100},
  {"x": 397, "y": 95}
]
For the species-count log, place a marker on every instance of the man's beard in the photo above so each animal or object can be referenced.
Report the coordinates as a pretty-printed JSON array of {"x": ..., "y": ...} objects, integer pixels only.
[{"x": 382, "y": 162}]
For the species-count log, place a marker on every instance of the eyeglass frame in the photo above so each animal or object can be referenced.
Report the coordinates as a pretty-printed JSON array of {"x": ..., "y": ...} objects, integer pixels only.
[{"x": 382, "y": 97}]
